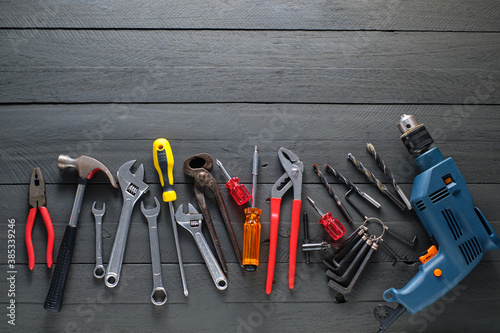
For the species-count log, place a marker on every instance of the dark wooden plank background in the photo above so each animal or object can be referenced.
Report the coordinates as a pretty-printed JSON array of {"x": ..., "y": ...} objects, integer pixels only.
[{"x": 322, "y": 78}]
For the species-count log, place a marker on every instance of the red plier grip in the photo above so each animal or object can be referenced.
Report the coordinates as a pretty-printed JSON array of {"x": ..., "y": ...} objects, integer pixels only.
[
  {"x": 50, "y": 236},
  {"x": 294, "y": 236},
  {"x": 273, "y": 242}
]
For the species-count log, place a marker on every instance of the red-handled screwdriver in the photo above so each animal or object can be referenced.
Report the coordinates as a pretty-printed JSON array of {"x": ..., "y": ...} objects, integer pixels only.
[
  {"x": 239, "y": 192},
  {"x": 332, "y": 226}
]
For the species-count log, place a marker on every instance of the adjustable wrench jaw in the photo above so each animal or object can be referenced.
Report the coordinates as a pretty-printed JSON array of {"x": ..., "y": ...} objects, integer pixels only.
[
  {"x": 132, "y": 185},
  {"x": 190, "y": 221}
]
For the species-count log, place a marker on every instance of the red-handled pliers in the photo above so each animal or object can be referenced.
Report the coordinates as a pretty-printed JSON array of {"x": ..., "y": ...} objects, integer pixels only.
[
  {"x": 37, "y": 199},
  {"x": 293, "y": 173}
]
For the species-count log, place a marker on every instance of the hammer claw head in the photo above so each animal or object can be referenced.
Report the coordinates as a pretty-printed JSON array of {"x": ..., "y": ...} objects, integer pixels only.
[{"x": 85, "y": 166}]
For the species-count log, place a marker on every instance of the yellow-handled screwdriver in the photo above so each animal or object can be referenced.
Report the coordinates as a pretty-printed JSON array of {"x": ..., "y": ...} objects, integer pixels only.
[
  {"x": 251, "y": 228},
  {"x": 164, "y": 163}
]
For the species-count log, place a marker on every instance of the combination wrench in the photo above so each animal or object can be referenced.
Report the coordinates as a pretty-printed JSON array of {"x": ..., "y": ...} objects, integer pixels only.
[
  {"x": 159, "y": 294},
  {"x": 192, "y": 222},
  {"x": 99, "y": 270},
  {"x": 132, "y": 188}
]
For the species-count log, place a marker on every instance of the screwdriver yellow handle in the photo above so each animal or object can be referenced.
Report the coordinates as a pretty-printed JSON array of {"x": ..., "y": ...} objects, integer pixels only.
[
  {"x": 251, "y": 239},
  {"x": 164, "y": 164}
]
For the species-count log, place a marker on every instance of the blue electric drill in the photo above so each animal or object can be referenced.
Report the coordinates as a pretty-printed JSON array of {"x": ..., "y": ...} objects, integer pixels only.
[{"x": 460, "y": 231}]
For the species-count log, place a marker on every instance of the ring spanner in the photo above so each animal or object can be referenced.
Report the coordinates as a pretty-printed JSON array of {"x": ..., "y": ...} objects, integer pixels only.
[
  {"x": 99, "y": 270},
  {"x": 132, "y": 188},
  {"x": 192, "y": 223},
  {"x": 159, "y": 294}
]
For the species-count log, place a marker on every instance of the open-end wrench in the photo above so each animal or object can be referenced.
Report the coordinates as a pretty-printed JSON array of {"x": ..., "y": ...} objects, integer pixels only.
[
  {"x": 159, "y": 294},
  {"x": 99, "y": 270},
  {"x": 192, "y": 222},
  {"x": 132, "y": 188}
]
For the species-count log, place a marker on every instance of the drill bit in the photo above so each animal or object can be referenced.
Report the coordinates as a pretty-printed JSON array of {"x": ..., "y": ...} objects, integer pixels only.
[
  {"x": 371, "y": 177},
  {"x": 381, "y": 164},
  {"x": 352, "y": 186},
  {"x": 332, "y": 193}
]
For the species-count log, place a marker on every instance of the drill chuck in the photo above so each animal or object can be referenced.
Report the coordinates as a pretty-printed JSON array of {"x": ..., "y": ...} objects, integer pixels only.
[{"x": 415, "y": 136}]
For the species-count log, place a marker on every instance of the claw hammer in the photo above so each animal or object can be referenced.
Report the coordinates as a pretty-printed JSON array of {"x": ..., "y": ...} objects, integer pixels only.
[{"x": 86, "y": 168}]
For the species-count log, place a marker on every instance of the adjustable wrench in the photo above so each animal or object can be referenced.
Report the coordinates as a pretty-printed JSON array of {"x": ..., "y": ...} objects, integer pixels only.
[
  {"x": 159, "y": 295},
  {"x": 192, "y": 222},
  {"x": 99, "y": 270},
  {"x": 132, "y": 188}
]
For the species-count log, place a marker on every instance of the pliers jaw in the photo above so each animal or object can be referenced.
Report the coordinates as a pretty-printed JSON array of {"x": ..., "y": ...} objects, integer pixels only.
[
  {"x": 293, "y": 172},
  {"x": 37, "y": 197}
]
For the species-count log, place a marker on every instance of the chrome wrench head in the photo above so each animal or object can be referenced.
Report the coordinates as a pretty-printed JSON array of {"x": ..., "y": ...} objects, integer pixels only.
[
  {"x": 132, "y": 187},
  {"x": 159, "y": 294},
  {"x": 132, "y": 184},
  {"x": 192, "y": 222},
  {"x": 99, "y": 270},
  {"x": 152, "y": 212}
]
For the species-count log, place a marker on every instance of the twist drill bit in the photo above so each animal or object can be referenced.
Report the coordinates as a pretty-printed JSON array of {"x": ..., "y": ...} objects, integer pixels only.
[
  {"x": 332, "y": 193},
  {"x": 381, "y": 164},
  {"x": 352, "y": 186},
  {"x": 371, "y": 177}
]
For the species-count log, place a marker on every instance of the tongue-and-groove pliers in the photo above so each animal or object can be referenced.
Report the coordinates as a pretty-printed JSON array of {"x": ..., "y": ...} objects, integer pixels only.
[
  {"x": 38, "y": 200},
  {"x": 293, "y": 173}
]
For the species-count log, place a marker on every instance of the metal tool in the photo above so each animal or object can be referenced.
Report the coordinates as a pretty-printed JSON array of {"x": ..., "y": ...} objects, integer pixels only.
[
  {"x": 86, "y": 168},
  {"x": 292, "y": 177},
  {"x": 252, "y": 226},
  {"x": 99, "y": 270},
  {"x": 395, "y": 235},
  {"x": 332, "y": 193},
  {"x": 444, "y": 205},
  {"x": 132, "y": 188},
  {"x": 159, "y": 294},
  {"x": 332, "y": 226},
  {"x": 238, "y": 191},
  {"x": 354, "y": 240},
  {"x": 388, "y": 173},
  {"x": 163, "y": 160},
  {"x": 352, "y": 186},
  {"x": 371, "y": 177},
  {"x": 305, "y": 222},
  {"x": 319, "y": 246},
  {"x": 363, "y": 255},
  {"x": 38, "y": 201},
  {"x": 199, "y": 166},
  {"x": 192, "y": 222}
]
